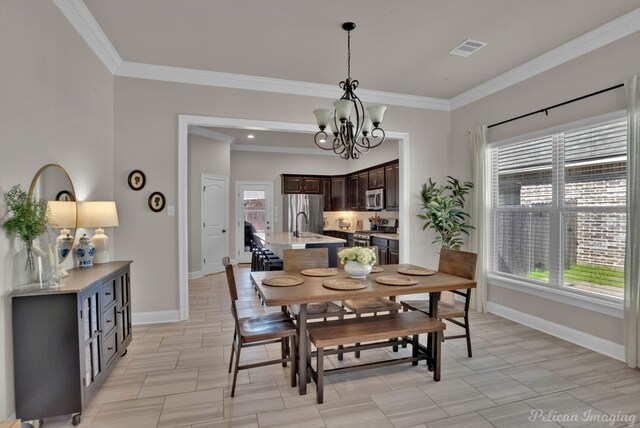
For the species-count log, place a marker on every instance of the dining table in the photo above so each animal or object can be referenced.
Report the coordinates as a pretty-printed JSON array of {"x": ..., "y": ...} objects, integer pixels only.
[{"x": 312, "y": 290}]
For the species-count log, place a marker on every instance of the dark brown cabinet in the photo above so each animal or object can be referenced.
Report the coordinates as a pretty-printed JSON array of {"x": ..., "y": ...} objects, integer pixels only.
[
  {"x": 348, "y": 192},
  {"x": 352, "y": 201},
  {"x": 326, "y": 191},
  {"x": 67, "y": 339},
  {"x": 376, "y": 178},
  {"x": 392, "y": 187},
  {"x": 388, "y": 250},
  {"x": 338, "y": 193},
  {"x": 347, "y": 236},
  {"x": 363, "y": 185},
  {"x": 301, "y": 184}
]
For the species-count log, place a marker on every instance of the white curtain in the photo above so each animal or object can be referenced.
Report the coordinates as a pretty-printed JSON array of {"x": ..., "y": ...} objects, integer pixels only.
[
  {"x": 632, "y": 255},
  {"x": 479, "y": 209}
]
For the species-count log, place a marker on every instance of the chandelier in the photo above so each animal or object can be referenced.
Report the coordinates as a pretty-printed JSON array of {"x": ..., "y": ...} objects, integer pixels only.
[{"x": 354, "y": 131}]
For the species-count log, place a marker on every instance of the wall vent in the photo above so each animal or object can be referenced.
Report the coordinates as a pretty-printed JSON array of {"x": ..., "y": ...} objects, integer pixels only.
[{"x": 467, "y": 48}]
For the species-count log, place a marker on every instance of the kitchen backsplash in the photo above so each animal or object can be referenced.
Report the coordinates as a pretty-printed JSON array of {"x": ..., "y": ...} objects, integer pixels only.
[{"x": 333, "y": 218}]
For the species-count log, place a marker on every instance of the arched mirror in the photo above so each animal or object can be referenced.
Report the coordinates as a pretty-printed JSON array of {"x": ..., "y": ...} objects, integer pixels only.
[{"x": 53, "y": 185}]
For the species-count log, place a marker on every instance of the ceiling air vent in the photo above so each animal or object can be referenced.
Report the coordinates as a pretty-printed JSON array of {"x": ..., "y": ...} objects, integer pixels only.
[{"x": 467, "y": 48}]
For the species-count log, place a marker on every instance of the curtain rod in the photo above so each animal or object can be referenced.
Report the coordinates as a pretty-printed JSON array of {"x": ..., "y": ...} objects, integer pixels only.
[{"x": 546, "y": 110}]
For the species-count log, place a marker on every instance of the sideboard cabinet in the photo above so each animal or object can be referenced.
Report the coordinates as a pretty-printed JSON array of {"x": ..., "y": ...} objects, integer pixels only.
[{"x": 67, "y": 339}]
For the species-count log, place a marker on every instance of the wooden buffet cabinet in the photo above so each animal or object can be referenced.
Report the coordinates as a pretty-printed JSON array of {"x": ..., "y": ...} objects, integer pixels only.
[{"x": 66, "y": 340}]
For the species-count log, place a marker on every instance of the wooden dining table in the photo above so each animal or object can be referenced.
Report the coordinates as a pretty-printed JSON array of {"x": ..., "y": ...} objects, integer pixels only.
[{"x": 313, "y": 291}]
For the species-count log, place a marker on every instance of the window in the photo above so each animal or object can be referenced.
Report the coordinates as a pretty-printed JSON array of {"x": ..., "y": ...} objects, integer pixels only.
[{"x": 558, "y": 209}]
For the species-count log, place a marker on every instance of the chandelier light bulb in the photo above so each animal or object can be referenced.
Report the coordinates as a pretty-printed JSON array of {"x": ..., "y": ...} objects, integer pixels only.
[
  {"x": 322, "y": 117},
  {"x": 343, "y": 109},
  {"x": 376, "y": 113}
]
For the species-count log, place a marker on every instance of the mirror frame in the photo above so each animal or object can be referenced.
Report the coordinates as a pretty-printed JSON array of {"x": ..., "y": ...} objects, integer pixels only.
[{"x": 73, "y": 190}]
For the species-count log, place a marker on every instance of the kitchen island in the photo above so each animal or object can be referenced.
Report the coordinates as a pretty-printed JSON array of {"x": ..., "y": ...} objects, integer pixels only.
[{"x": 279, "y": 241}]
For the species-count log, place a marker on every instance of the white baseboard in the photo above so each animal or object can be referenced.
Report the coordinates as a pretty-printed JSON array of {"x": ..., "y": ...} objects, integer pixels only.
[
  {"x": 595, "y": 343},
  {"x": 155, "y": 317},
  {"x": 195, "y": 275}
]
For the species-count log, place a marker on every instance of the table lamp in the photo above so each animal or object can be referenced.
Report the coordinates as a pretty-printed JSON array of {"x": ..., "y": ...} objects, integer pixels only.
[
  {"x": 99, "y": 214},
  {"x": 63, "y": 215}
]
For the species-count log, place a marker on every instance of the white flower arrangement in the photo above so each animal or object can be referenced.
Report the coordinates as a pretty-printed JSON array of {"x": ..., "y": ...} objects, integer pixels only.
[{"x": 362, "y": 255}]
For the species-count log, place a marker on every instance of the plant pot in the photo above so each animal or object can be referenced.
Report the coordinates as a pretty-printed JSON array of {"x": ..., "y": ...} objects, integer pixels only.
[{"x": 356, "y": 270}]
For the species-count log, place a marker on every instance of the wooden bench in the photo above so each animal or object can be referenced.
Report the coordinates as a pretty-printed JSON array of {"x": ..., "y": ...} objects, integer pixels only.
[{"x": 367, "y": 329}]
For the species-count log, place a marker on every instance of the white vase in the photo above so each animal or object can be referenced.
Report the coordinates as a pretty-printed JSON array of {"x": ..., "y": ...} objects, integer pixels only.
[{"x": 357, "y": 270}]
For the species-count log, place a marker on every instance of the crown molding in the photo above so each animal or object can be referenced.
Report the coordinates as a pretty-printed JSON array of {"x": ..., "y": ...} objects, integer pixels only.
[
  {"x": 212, "y": 135},
  {"x": 80, "y": 17},
  {"x": 281, "y": 150},
  {"x": 85, "y": 24},
  {"x": 268, "y": 84},
  {"x": 601, "y": 36}
]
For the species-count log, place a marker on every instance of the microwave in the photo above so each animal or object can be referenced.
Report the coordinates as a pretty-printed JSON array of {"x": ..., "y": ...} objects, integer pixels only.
[{"x": 375, "y": 199}]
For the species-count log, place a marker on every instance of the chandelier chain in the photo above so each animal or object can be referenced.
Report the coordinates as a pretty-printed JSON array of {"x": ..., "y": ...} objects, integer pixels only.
[{"x": 349, "y": 54}]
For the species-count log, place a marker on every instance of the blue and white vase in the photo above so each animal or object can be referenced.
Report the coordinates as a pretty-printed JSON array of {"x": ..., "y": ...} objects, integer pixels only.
[{"x": 84, "y": 251}]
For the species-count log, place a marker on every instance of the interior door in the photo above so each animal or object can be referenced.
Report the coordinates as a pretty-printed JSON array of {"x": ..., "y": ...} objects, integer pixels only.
[
  {"x": 254, "y": 215},
  {"x": 215, "y": 241}
]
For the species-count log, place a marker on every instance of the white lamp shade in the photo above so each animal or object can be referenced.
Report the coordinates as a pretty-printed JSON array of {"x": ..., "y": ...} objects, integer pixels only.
[
  {"x": 376, "y": 113},
  {"x": 322, "y": 116},
  {"x": 63, "y": 214},
  {"x": 343, "y": 109},
  {"x": 98, "y": 214},
  {"x": 367, "y": 126}
]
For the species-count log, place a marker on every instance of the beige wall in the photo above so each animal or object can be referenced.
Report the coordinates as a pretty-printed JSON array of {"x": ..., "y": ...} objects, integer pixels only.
[
  {"x": 146, "y": 133},
  {"x": 210, "y": 157},
  {"x": 56, "y": 106},
  {"x": 599, "y": 69}
]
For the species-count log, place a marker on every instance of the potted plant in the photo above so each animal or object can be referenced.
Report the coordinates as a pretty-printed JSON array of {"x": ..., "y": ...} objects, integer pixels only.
[
  {"x": 29, "y": 220},
  {"x": 357, "y": 261},
  {"x": 444, "y": 211}
]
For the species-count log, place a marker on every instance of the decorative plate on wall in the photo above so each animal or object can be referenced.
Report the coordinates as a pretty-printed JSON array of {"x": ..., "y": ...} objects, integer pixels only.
[
  {"x": 157, "y": 202},
  {"x": 137, "y": 179}
]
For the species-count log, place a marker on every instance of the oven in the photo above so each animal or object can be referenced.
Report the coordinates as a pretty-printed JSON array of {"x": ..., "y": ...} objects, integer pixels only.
[{"x": 361, "y": 240}]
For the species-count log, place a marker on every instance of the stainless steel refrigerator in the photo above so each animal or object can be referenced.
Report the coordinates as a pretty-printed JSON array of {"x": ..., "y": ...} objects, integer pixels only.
[{"x": 311, "y": 205}]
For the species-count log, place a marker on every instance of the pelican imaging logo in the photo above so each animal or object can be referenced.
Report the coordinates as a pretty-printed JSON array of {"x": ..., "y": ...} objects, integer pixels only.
[{"x": 588, "y": 416}]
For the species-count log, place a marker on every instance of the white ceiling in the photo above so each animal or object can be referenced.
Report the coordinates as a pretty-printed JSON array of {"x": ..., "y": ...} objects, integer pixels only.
[{"x": 398, "y": 46}]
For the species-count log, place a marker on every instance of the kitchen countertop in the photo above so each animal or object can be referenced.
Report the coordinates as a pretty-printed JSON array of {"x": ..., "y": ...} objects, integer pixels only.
[
  {"x": 287, "y": 238},
  {"x": 393, "y": 236}
]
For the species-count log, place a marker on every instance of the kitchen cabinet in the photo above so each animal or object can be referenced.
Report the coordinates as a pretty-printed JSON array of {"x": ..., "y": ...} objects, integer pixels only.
[
  {"x": 363, "y": 185},
  {"x": 352, "y": 186},
  {"x": 67, "y": 339},
  {"x": 388, "y": 250},
  {"x": 376, "y": 178},
  {"x": 301, "y": 184},
  {"x": 326, "y": 191},
  {"x": 338, "y": 193},
  {"x": 392, "y": 187},
  {"x": 347, "y": 236}
]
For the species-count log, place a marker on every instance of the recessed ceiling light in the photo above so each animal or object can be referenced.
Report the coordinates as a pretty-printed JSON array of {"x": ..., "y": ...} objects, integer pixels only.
[
  {"x": 467, "y": 48},
  {"x": 250, "y": 136}
]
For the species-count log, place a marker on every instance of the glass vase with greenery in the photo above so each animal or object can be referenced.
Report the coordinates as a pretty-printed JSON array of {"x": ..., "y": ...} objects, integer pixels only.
[
  {"x": 29, "y": 220},
  {"x": 443, "y": 208}
]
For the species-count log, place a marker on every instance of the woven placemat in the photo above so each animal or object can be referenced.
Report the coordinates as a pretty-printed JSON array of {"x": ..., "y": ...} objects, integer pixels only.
[
  {"x": 395, "y": 280},
  {"x": 344, "y": 284},
  {"x": 416, "y": 271},
  {"x": 320, "y": 272},
  {"x": 377, "y": 269},
  {"x": 283, "y": 281}
]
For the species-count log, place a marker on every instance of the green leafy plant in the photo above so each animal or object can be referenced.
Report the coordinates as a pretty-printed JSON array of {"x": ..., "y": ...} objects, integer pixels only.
[
  {"x": 29, "y": 218},
  {"x": 444, "y": 211},
  {"x": 362, "y": 255}
]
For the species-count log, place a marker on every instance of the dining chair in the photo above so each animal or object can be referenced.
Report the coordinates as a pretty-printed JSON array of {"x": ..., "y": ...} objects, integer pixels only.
[
  {"x": 307, "y": 258},
  {"x": 259, "y": 330},
  {"x": 458, "y": 263}
]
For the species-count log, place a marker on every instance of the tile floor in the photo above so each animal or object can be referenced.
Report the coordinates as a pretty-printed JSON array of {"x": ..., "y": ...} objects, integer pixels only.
[{"x": 175, "y": 375}]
